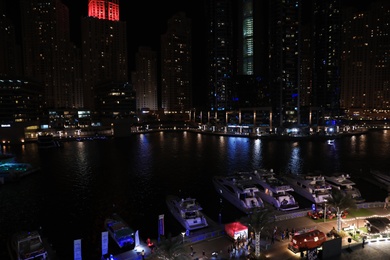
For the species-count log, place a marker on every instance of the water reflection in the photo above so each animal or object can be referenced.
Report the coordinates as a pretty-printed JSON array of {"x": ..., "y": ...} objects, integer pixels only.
[
  {"x": 295, "y": 164},
  {"x": 81, "y": 182}
]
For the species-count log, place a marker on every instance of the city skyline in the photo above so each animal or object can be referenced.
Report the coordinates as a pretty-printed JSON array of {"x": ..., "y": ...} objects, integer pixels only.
[
  {"x": 146, "y": 33},
  {"x": 290, "y": 75}
]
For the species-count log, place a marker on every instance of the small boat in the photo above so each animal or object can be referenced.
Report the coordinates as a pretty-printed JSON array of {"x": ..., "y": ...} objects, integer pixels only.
[
  {"x": 240, "y": 190},
  {"x": 27, "y": 246},
  {"x": 343, "y": 182},
  {"x": 7, "y": 158},
  {"x": 312, "y": 187},
  {"x": 120, "y": 232},
  {"x": 13, "y": 171},
  {"x": 187, "y": 211},
  {"x": 275, "y": 191},
  {"x": 47, "y": 141}
]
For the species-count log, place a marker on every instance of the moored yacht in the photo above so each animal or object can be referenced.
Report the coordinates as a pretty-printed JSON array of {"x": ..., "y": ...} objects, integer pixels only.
[
  {"x": 187, "y": 211},
  {"x": 28, "y": 246},
  {"x": 7, "y": 158},
  {"x": 241, "y": 191},
  {"x": 343, "y": 182},
  {"x": 120, "y": 232},
  {"x": 275, "y": 191},
  {"x": 13, "y": 171},
  {"x": 312, "y": 187}
]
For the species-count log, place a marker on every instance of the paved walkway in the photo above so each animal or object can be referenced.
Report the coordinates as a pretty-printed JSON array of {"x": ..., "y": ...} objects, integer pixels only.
[{"x": 373, "y": 250}]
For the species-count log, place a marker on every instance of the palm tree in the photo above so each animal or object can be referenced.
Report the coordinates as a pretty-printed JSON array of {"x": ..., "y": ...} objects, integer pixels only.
[
  {"x": 341, "y": 201},
  {"x": 170, "y": 249},
  {"x": 257, "y": 221}
]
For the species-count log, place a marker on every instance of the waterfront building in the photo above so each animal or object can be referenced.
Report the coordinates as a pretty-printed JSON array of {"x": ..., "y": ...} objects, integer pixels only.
[
  {"x": 284, "y": 35},
  {"x": 48, "y": 55},
  {"x": 220, "y": 54},
  {"x": 176, "y": 65},
  {"x": 104, "y": 48},
  {"x": 251, "y": 81},
  {"x": 365, "y": 92},
  {"x": 326, "y": 47},
  {"x": 144, "y": 79}
]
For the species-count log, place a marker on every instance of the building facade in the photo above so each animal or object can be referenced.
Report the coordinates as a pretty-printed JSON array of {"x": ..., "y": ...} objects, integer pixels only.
[
  {"x": 104, "y": 48},
  {"x": 176, "y": 65},
  {"x": 144, "y": 79}
]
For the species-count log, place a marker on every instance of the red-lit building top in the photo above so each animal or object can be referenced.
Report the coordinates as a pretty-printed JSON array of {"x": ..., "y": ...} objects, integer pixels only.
[{"x": 104, "y": 9}]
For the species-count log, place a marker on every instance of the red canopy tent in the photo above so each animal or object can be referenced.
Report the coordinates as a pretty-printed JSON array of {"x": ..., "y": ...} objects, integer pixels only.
[{"x": 236, "y": 229}]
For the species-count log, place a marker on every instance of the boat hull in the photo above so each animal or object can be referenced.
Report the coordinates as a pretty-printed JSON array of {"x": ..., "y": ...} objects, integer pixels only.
[
  {"x": 28, "y": 246},
  {"x": 274, "y": 191},
  {"x": 343, "y": 183},
  {"x": 314, "y": 197},
  {"x": 14, "y": 171},
  {"x": 120, "y": 232},
  {"x": 275, "y": 202},
  {"x": 234, "y": 198},
  {"x": 196, "y": 221}
]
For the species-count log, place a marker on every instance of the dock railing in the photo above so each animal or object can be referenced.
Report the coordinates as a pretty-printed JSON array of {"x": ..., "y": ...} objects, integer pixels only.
[{"x": 303, "y": 212}]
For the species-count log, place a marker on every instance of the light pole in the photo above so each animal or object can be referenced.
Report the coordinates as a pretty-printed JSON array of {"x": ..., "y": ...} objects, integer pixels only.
[
  {"x": 325, "y": 201},
  {"x": 183, "y": 234}
]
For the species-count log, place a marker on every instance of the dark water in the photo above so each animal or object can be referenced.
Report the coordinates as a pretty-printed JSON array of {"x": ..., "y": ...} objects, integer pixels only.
[{"x": 82, "y": 183}]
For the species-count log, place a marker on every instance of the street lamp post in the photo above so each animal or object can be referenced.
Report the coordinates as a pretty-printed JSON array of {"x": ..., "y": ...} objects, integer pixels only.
[
  {"x": 183, "y": 234},
  {"x": 325, "y": 201}
]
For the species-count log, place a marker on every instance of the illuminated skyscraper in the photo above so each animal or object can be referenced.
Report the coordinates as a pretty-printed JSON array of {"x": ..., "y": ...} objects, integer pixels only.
[
  {"x": 326, "y": 43},
  {"x": 220, "y": 18},
  {"x": 49, "y": 56},
  {"x": 144, "y": 78},
  {"x": 104, "y": 48},
  {"x": 176, "y": 65},
  {"x": 365, "y": 76},
  {"x": 104, "y": 9},
  {"x": 253, "y": 56},
  {"x": 284, "y": 36}
]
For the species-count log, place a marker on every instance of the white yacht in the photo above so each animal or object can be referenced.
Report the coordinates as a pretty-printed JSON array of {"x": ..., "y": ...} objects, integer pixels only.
[
  {"x": 343, "y": 182},
  {"x": 187, "y": 211},
  {"x": 240, "y": 190},
  {"x": 120, "y": 231},
  {"x": 275, "y": 191},
  {"x": 28, "y": 246},
  {"x": 312, "y": 187}
]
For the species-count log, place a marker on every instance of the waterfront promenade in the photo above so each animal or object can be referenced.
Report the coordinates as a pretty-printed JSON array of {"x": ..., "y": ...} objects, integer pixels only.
[{"x": 219, "y": 242}]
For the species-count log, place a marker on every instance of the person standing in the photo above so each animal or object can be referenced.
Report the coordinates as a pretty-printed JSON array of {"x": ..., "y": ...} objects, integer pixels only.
[{"x": 143, "y": 254}]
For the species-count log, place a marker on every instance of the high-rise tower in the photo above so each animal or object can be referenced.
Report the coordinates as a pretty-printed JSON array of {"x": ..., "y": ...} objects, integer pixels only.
[
  {"x": 326, "y": 43},
  {"x": 176, "y": 65},
  {"x": 144, "y": 78},
  {"x": 103, "y": 9},
  {"x": 49, "y": 56},
  {"x": 221, "y": 58},
  {"x": 104, "y": 48},
  {"x": 284, "y": 43},
  {"x": 365, "y": 70}
]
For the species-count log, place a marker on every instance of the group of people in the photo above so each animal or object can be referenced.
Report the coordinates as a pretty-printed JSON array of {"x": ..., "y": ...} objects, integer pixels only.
[
  {"x": 284, "y": 234},
  {"x": 239, "y": 247}
]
